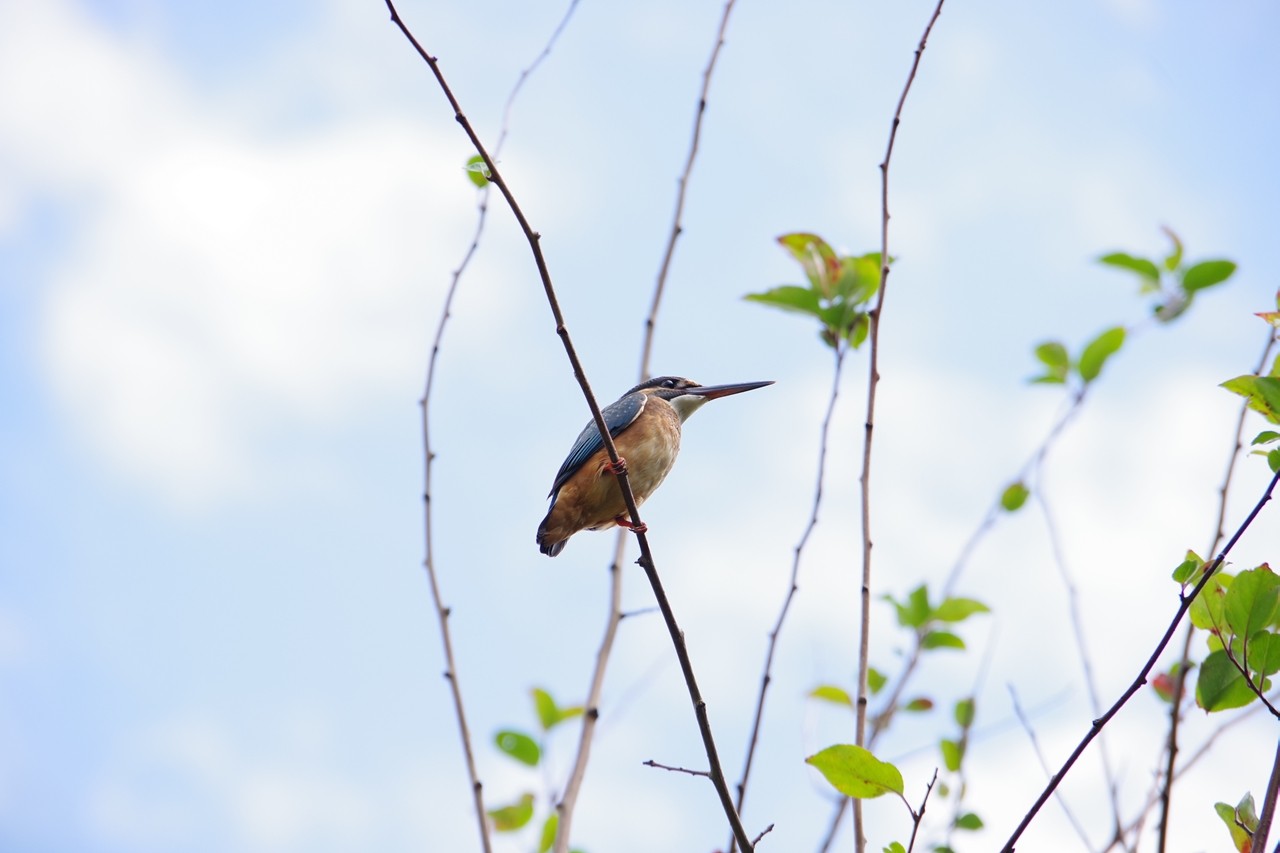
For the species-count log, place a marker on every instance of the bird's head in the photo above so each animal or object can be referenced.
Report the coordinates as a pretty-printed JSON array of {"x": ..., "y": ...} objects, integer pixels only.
[{"x": 686, "y": 396}]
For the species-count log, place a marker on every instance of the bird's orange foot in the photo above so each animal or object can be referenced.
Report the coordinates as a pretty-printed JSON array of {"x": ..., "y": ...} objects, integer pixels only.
[
  {"x": 623, "y": 521},
  {"x": 619, "y": 467}
]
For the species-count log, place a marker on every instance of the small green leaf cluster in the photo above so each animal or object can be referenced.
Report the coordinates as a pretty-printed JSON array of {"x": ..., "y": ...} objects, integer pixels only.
[
  {"x": 1241, "y": 821},
  {"x": 1241, "y": 614},
  {"x": 1059, "y": 366},
  {"x": 527, "y": 750},
  {"x": 1172, "y": 282},
  {"x": 839, "y": 290},
  {"x": 931, "y": 622},
  {"x": 856, "y": 772}
]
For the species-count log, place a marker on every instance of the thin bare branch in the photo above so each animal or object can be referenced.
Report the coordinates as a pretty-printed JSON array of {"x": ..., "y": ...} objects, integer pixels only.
[
  {"x": 646, "y": 557},
  {"x": 1184, "y": 659},
  {"x": 429, "y": 563},
  {"x": 442, "y": 612},
  {"x": 1141, "y": 677},
  {"x": 566, "y": 807},
  {"x": 768, "y": 829},
  {"x": 1268, "y": 812},
  {"x": 677, "y": 224},
  {"x": 1082, "y": 650},
  {"x": 1044, "y": 765},
  {"x": 793, "y": 585},
  {"x": 652, "y": 763},
  {"x": 873, "y": 382},
  {"x": 918, "y": 816}
]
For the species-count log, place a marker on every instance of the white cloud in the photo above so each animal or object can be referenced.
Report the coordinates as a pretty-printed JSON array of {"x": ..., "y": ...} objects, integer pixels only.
[
  {"x": 221, "y": 277},
  {"x": 189, "y": 775}
]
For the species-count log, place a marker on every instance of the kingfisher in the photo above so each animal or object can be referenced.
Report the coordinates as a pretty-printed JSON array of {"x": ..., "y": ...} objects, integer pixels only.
[{"x": 645, "y": 426}]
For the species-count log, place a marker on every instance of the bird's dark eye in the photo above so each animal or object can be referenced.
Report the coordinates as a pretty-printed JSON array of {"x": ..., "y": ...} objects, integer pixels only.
[{"x": 670, "y": 383}]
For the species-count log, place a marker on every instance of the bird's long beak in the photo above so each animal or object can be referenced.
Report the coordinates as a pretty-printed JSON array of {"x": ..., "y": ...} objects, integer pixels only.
[{"x": 712, "y": 392}]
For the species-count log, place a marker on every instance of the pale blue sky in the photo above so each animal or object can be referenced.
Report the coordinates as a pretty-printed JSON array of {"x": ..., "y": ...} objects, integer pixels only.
[{"x": 225, "y": 234}]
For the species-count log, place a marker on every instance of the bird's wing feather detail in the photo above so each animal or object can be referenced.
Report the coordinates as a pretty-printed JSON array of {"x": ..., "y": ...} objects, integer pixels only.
[{"x": 617, "y": 416}]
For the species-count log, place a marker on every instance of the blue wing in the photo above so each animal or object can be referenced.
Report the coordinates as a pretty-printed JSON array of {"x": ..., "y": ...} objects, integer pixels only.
[{"x": 617, "y": 416}]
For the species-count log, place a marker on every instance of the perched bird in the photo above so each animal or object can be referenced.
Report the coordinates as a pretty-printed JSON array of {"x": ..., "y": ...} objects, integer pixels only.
[{"x": 645, "y": 425}]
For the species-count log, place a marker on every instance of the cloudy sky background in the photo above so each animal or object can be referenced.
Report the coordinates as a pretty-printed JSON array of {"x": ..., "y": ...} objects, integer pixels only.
[{"x": 226, "y": 230}]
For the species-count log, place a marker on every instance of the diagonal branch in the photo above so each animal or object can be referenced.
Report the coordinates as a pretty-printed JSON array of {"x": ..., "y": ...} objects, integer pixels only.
[
  {"x": 873, "y": 381},
  {"x": 1141, "y": 678},
  {"x": 566, "y": 806},
  {"x": 624, "y": 484},
  {"x": 1184, "y": 659},
  {"x": 766, "y": 677}
]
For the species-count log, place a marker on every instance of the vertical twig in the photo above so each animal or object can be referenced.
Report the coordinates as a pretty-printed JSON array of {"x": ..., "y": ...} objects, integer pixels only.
[
  {"x": 715, "y": 770},
  {"x": 428, "y": 562},
  {"x": 1184, "y": 658},
  {"x": 873, "y": 381},
  {"x": 591, "y": 715}
]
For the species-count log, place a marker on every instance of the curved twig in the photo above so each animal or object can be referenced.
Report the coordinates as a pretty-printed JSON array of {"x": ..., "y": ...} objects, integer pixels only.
[
  {"x": 873, "y": 381},
  {"x": 646, "y": 557},
  {"x": 1141, "y": 677}
]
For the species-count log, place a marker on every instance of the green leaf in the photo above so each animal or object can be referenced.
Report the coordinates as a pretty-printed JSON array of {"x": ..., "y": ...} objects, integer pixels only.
[
  {"x": 1014, "y": 496},
  {"x": 1145, "y": 269},
  {"x": 821, "y": 265},
  {"x": 969, "y": 821},
  {"x": 833, "y": 694},
  {"x": 1206, "y": 610},
  {"x": 1220, "y": 686},
  {"x": 1207, "y": 274},
  {"x": 952, "y": 754},
  {"x": 915, "y": 611},
  {"x": 1265, "y": 437},
  {"x": 963, "y": 713},
  {"x": 919, "y": 704},
  {"x": 895, "y": 847},
  {"x": 546, "y": 708},
  {"x": 1273, "y": 460},
  {"x": 875, "y": 680},
  {"x": 959, "y": 609},
  {"x": 855, "y": 772},
  {"x": 477, "y": 171},
  {"x": 1053, "y": 355},
  {"x": 1188, "y": 569},
  {"x": 858, "y": 330},
  {"x": 1263, "y": 657},
  {"x": 789, "y": 297},
  {"x": 1174, "y": 258},
  {"x": 1241, "y": 839},
  {"x": 1252, "y": 601},
  {"x": 519, "y": 746},
  {"x": 512, "y": 817},
  {"x": 549, "y": 827},
  {"x": 1097, "y": 351},
  {"x": 941, "y": 640},
  {"x": 1262, "y": 393},
  {"x": 859, "y": 278}
]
